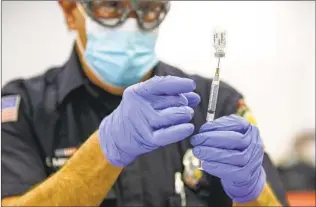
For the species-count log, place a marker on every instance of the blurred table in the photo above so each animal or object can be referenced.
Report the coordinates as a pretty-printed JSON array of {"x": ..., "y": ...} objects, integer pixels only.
[{"x": 301, "y": 198}]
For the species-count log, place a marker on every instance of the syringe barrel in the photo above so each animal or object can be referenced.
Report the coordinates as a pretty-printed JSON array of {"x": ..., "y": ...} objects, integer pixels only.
[{"x": 213, "y": 99}]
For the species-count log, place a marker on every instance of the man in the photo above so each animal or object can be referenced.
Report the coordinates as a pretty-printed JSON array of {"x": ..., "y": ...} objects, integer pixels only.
[
  {"x": 298, "y": 170},
  {"x": 92, "y": 110}
]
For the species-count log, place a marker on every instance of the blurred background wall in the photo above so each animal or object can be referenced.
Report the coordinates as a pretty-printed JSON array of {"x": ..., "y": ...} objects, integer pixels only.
[{"x": 270, "y": 54}]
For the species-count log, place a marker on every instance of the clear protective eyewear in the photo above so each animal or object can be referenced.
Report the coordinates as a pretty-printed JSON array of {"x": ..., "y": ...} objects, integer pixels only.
[{"x": 112, "y": 13}]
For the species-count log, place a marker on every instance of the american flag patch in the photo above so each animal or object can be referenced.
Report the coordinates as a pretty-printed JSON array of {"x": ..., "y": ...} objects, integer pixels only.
[{"x": 10, "y": 108}]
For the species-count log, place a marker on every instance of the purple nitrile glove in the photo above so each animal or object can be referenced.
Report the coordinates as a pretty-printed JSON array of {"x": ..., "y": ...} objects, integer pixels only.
[
  {"x": 152, "y": 114},
  {"x": 231, "y": 149}
]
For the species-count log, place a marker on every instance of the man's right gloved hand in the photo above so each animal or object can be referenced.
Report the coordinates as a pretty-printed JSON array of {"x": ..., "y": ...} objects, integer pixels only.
[{"x": 152, "y": 114}]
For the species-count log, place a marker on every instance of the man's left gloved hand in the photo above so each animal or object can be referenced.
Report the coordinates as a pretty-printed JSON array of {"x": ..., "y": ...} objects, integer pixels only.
[{"x": 230, "y": 148}]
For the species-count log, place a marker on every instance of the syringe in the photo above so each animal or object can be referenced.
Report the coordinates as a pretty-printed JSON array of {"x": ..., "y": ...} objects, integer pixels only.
[{"x": 219, "y": 39}]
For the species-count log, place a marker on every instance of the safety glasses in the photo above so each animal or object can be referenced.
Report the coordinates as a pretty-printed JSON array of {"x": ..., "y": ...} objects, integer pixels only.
[{"x": 149, "y": 13}]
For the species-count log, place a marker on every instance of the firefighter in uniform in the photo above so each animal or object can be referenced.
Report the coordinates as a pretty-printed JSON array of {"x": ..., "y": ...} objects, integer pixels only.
[{"x": 111, "y": 127}]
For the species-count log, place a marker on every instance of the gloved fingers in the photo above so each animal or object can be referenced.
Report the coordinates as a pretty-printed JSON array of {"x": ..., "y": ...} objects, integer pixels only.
[
  {"x": 227, "y": 123},
  {"x": 173, "y": 134},
  {"x": 236, "y": 173},
  {"x": 255, "y": 135},
  {"x": 222, "y": 139},
  {"x": 226, "y": 171},
  {"x": 185, "y": 99},
  {"x": 219, "y": 170},
  {"x": 255, "y": 160},
  {"x": 243, "y": 192},
  {"x": 163, "y": 102},
  {"x": 172, "y": 116},
  {"x": 193, "y": 99},
  {"x": 230, "y": 157},
  {"x": 165, "y": 85}
]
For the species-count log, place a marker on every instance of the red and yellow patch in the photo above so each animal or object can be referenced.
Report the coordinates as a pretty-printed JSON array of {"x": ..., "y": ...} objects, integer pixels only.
[{"x": 244, "y": 111}]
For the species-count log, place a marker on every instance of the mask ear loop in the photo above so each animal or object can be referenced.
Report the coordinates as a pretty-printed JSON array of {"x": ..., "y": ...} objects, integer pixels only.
[
  {"x": 78, "y": 41},
  {"x": 81, "y": 9}
]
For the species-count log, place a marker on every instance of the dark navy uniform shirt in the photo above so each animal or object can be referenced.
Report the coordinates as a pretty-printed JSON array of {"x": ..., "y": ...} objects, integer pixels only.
[{"x": 46, "y": 118}]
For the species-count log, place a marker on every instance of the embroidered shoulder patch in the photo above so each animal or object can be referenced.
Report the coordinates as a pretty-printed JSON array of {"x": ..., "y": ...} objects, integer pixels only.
[
  {"x": 10, "y": 108},
  {"x": 244, "y": 111}
]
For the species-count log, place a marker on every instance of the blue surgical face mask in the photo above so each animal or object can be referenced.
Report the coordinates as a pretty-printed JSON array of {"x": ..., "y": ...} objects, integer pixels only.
[{"x": 120, "y": 56}]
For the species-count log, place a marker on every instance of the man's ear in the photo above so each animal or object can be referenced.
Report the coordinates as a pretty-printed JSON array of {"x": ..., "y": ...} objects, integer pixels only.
[{"x": 69, "y": 8}]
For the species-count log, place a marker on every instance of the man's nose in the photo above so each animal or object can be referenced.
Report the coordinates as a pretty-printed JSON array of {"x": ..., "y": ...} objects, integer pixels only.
[{"x": 128, "y": 4}]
